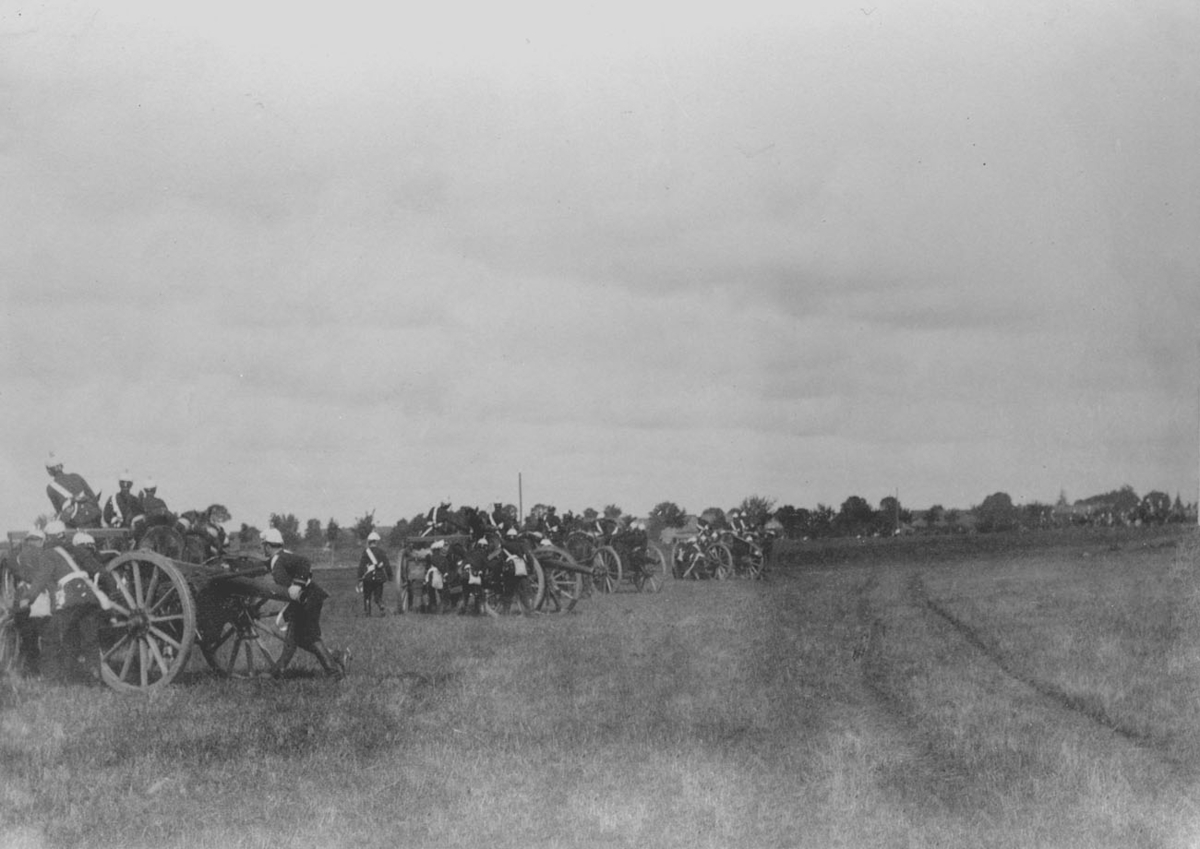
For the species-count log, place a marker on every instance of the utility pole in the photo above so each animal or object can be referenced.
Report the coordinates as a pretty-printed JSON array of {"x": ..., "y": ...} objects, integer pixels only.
[{"x": 520, "y": 501}]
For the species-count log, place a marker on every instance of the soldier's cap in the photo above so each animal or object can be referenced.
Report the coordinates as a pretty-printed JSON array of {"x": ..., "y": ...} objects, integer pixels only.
[
  {"x": 372, "y": 537},
  {"x": 438, "y": 546},
  {"x": 125, "y": 477},
  {"x": 82, "y": 538},
  {"x": 52, "y": 462},
  {"x": 55, "y": 528},
  {"x": 35, "y": 533}
]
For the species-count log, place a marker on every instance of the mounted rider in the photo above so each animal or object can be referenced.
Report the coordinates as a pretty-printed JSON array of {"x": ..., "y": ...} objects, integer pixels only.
[
  {"x": 75, "y": 504},
  {"x": 123, "y": 506}
]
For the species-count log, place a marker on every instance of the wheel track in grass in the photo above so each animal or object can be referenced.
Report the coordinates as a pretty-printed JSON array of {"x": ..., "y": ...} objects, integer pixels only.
[
  {"x": 918, "y": 594},
  {"x": 930, "y": 772}
]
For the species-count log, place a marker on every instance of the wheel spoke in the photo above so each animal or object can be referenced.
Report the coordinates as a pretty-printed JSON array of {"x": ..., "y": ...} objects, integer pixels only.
[
  {"x": 166, "y": 638},
  {"x": 172, "y": 593},
  {"x": 156, "y": 654}
]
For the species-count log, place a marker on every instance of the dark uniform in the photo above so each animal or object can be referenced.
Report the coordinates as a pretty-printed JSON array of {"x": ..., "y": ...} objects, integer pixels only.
[
  {"x": 72, "y": 648},
  {"x": 374, "y": 570},
  {"x": 302, "y": 617},
  {"x": 74, "y": 502},
  {"x": 121, "y": 507},
  {"x": 32, "y": 616}
]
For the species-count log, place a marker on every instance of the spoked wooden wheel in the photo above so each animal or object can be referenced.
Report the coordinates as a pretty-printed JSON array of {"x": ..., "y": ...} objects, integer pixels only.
[
  {"x": 10, "y": 637},
  {"x": 563, "y": 579},
  {"x": 496, "y": 603},
  {"x": 151, "y": 627},
  {"x": 606, "y": 564},
  {"x": 164, "y": 540},
  {"x": 239, "y": 635},
  {"x": 650, "y": 578},
  {"x": 720, "y": 560},
  {"x": 581, "y": 546}
]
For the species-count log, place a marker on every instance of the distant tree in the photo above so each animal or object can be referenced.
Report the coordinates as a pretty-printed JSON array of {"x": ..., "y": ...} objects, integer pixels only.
[
  {"x": 1062, "y": 499},
  {"x": 289, "y": 526},
  {"x": 399, "y": 533},
  {"x": 333, "y": 532},
  {"x": 612, "y": 511},
  {"x": 996, "y": 513},
  {"x": 855, "y": 517},
  {"x": 714, "y": 516},
  {"x": 821, "y": 523},
  {"x": 363, "y": 525},
  {"x": 1123, "y": 500},
  {"x": 1036, "y": 515},
  {"x": 795, "y": 520},
  {"x": 888, "y": 519},
  {"x": 1155, "y": 508},
  {"x": 935, "y": 514},
  {"x": 247, "y": 534},
  {"x": 756, "y": 510},
  {"x": 312, "y": 532},
  {"x": 418, "y": 523},
  {"x": 666, "y": 514},
  {"x": 1179, "y": 512}
]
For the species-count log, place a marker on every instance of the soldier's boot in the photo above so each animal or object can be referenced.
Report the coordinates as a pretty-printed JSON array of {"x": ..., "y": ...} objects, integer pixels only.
[
  {"x": 333, "y": 666},
  {"x": 285, "y": 657}
]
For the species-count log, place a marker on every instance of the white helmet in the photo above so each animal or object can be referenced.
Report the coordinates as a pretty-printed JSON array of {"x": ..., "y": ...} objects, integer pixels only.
[
  {"x": 55, "y": 528},
  {"x": 52, "y": 462},
  {"x": 438, "y": 545},
  {"x": 82, "y": 538},
  {"x": 149, "y": 483},
  {"x": 511, "y": 532},
  {"x": 35, "y": 533},
  {"x": 372, "y": 537},
  {"x": 272, "y": 536},
  {"x": 125, "y": 477}
]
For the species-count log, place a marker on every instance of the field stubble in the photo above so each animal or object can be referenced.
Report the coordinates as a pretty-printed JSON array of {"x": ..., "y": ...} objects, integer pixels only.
[{"x": 1034, "y": 698}]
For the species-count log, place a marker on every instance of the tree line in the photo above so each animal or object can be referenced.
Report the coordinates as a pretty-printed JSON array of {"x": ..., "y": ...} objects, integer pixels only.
[{"x": 855, "y": 517}]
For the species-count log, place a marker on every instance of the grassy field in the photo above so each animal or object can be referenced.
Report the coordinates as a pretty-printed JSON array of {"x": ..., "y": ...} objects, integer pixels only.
[{"x": 1006, "y": 692}]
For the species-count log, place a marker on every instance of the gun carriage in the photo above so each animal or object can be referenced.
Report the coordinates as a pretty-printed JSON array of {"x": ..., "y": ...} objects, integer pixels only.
[
  {"x": 550, "y": 570},
  {"x": 162, "y": 608}
]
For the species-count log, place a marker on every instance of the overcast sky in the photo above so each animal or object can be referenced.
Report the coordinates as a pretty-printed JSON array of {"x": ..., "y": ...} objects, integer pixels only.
[{"x": 327, "y": 261}]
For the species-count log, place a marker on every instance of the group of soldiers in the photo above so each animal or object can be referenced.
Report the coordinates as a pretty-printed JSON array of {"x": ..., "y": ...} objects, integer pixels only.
[
  {"x": 64, "y": 594},
  {"x": 439, "y": 571},
  {"x": 76, "y": 505}
]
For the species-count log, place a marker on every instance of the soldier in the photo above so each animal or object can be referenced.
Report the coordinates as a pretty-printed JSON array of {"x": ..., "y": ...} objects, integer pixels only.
[
  {"x": 75, "y": 504},
  {"x": 76, "y": 604},
  {"x": 474, "y": 568},
  {"x": 434, "y": 582},
  {"x": 121, "y": 507},
  {"x": 550, "y": 524},
  {"x": 302, "y": 616},
  {"x": 32, "y": 617},
  {"x": 152, "y": 505},
  {"x": 374, "y": 570}
]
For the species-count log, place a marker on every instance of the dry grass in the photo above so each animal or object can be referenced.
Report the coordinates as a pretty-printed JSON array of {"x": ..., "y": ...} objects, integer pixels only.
[{"x": 872, "y": 703}]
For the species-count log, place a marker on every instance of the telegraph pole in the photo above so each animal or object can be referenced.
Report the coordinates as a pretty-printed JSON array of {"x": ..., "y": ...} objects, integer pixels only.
[{"x": 520, "y": 501}]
